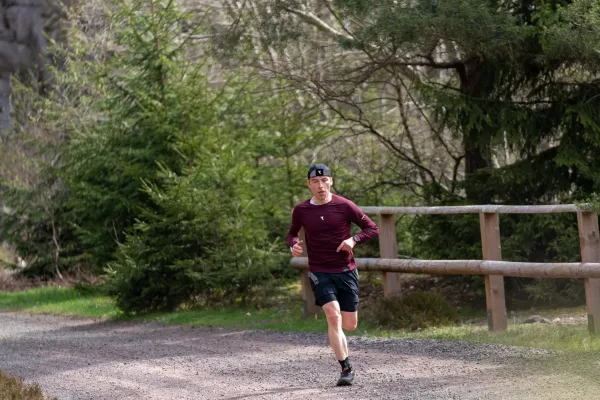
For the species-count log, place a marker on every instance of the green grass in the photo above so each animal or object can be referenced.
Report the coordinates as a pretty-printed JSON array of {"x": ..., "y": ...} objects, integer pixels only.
[
  {"x": 546, "y": 336},
  {"x": 287, "y": 317},
  {"x": 284, "y": 320},
  {"x": 55, "y": 300}
]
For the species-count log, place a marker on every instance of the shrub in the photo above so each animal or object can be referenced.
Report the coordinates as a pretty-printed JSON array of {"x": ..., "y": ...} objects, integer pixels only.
[
  {"x": 417, "y": 310},
  {"x": 556, "y": 292},
  {"x": 205, "y": 238},
  {"x": 15, "y": 389}
]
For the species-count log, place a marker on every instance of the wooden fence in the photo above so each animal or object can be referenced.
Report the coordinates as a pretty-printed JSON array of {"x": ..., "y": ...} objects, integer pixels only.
[{"x": 492, "y": 266}]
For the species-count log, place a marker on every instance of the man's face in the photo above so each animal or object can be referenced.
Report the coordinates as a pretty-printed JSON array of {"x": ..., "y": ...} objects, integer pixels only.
[{"x": 320, "y": 186}]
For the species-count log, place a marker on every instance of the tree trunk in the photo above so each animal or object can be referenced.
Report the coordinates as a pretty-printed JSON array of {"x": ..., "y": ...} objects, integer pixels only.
[
  {"x": 473, "y": 85},
  {"x": 474, "y": 159}
]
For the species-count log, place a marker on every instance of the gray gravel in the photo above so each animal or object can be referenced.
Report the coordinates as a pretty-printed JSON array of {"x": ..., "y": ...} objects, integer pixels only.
[{"x": 88, "y": 359}]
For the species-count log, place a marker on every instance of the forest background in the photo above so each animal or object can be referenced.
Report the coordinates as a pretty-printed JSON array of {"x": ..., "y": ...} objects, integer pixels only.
[{"x": 160, "y": 147}]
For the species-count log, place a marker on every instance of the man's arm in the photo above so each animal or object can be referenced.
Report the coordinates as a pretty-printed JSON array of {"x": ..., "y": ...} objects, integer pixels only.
[
  {"x": 369, "y": 229},
  {"x": 296, "y": 225}
]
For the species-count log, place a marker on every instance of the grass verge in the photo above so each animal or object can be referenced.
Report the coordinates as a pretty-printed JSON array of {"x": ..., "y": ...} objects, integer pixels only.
[
  {"x": 287, "y": 317},
  {"x": 15, "y": 389},
  {"x": 545, "y": 336},
  {"x": 57, "y": 300}
]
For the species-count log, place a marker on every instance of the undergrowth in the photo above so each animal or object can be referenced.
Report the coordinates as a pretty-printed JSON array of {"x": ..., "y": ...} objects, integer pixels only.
[{"x": 15, "y": 389}]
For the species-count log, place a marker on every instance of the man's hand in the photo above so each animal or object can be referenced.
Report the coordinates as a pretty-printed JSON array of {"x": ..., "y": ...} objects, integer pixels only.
[
  {"x": 297, "y": 249},
  {"x": 347, "y": 245}
]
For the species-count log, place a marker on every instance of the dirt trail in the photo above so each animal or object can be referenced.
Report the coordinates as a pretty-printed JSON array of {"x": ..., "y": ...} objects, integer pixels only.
[{"x": 87, "y": 359}]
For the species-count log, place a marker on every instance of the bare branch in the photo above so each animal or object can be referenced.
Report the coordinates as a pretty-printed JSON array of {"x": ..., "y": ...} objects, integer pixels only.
[
  {"x": 407, "y": 130},
  {"x": 317, "y": 22},
  {"x": 433, "y": 129},
  {"x": 383, "y": 139}
]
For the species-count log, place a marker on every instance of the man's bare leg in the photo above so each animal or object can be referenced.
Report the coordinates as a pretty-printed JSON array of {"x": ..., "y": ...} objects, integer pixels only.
[
  {"x": 337, "y": 338},
  {"x": 336, "y": 320},
  {"x": 349, "y": 320},
  {"x": 349, "y": 323}
]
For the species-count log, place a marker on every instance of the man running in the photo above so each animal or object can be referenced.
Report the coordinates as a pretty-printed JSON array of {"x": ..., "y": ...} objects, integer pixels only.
[{"x": 326, "y": 219}]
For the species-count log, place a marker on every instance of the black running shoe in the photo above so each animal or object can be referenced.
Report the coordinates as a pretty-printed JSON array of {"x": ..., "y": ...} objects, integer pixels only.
[{"x": 347, "y": 377}]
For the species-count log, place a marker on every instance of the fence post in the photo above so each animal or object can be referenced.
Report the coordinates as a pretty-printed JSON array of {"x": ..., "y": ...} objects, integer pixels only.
[
  {"x": 589, "y": 242},
  {"x": 310, "y": 309},
  {"x": 494, "y": 284},
  {"x": 388, "y": 248}
]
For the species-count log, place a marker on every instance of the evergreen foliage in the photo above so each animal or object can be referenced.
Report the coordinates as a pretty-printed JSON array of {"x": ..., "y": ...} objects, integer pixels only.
[
  {"x": 148, "y": 102},
  {"x": 182, "y": 184},
  {"x": 179, "y": 186}
]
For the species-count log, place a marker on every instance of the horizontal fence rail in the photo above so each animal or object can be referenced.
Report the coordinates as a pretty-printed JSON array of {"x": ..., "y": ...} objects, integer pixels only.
[
  {"x": 491, "y": 267},
  {"x": 472, "y": 267},
  {"x": 561, "y": 208}
]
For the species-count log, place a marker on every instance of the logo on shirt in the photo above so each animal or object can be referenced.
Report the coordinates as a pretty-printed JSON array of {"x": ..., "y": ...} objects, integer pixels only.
[{"x": 322, "y": 219}]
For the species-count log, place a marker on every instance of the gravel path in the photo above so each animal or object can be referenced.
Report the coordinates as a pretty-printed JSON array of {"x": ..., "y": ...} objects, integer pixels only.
[{"x": 87, "y": 359}]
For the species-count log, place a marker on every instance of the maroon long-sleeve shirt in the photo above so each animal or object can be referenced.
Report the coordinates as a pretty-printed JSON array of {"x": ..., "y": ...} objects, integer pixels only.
[{"x": 326, "y": 226}]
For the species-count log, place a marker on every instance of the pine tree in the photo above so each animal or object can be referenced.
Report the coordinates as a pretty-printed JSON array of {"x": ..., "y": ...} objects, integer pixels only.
[{"x": 147, "y": 103}]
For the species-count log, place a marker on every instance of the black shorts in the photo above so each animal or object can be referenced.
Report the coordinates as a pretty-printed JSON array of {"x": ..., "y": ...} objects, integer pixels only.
[{"x": 342, "y": 287}]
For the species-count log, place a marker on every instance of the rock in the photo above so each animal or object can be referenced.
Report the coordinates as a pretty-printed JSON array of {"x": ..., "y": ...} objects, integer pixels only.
[
  {"x": 556, "y": 321},
  {"x": 536, "y": 319}
]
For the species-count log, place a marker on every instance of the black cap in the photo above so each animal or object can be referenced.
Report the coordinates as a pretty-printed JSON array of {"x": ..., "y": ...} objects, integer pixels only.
[{"x": 319, "y": 170}]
